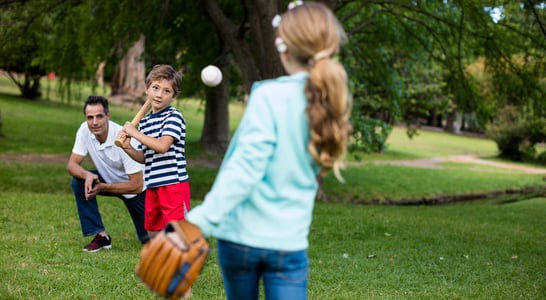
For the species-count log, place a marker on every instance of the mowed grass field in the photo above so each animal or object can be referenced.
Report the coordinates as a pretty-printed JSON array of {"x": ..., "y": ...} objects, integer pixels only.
[{"x": 487, "y": 249}]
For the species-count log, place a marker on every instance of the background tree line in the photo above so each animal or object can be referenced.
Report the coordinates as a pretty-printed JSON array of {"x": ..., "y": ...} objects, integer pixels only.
[{"x": 473, "y": 65}]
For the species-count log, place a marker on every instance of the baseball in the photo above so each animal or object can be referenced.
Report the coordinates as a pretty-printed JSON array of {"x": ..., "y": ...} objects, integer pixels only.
[{"x": 211, "y": 76}]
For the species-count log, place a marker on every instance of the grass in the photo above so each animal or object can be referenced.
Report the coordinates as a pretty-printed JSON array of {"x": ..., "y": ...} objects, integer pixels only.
[
  {"x": 383, "y": 183},
  {"x": 470, "y": 250},
  {"x": 429, "y": 144},
  {"x": 463, "y": 251}
]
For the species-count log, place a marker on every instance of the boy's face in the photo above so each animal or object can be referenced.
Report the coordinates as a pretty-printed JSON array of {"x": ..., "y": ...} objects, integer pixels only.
[{"x": 161, "y": 94}]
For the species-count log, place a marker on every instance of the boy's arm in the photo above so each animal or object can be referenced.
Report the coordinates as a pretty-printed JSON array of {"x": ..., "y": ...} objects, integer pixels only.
[
  {"x": 136, "y": 155},
  {"x": 159, "y": 145}
]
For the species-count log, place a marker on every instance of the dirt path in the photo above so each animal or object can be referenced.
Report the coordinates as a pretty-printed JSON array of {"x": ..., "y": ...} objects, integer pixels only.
[{"x": 434, "y": 163}]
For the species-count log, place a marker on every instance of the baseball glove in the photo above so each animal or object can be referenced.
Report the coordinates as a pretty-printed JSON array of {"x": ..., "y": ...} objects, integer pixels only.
[{"x": 171, "y": 261}]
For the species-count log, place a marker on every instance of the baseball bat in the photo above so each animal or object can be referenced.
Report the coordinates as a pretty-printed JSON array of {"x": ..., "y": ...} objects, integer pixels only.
[{"x": 139, "y": 115}]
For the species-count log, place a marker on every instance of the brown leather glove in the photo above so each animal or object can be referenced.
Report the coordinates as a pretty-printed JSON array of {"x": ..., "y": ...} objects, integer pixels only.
[{"x": 171, "y": 261}]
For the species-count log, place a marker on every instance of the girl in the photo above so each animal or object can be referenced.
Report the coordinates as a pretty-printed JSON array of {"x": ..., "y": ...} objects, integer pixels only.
[{"x": 294, "y": 127}]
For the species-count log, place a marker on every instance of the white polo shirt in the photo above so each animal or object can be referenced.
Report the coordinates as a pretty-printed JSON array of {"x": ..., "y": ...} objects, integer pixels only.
[{"x": 112, "y": 163}]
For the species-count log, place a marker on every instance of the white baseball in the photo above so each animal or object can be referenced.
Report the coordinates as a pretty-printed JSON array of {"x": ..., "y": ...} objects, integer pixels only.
[{"x": 211, "y": 76}]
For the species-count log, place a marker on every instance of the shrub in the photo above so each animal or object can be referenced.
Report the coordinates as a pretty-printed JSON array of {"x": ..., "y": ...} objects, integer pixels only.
[
  {"x": 516, "y": 136},
  {"x": 369, "y": 135},
  {"x": 541, "y": 158}
]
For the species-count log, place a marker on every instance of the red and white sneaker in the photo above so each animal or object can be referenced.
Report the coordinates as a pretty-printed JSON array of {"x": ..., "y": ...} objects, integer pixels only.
[{"x": 98, "y": 243}]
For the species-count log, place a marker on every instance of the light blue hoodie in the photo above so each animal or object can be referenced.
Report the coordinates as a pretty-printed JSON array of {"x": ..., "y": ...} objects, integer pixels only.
[{"x": 264, "y": 193}]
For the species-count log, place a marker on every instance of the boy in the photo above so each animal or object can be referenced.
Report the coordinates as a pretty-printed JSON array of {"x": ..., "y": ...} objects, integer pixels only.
[{"x": 162, "y": 150}]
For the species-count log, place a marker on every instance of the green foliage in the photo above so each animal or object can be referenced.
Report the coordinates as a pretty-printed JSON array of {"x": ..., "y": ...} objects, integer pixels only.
[
  {"x": 516, "y": 135},
  {"x": 18, "y": 56},
  {"x": 427, "y": 76},
  {"x": 541, "y": 158},
  {"x": 369, "y": 135},
  {"x": 406, "y": 61}
]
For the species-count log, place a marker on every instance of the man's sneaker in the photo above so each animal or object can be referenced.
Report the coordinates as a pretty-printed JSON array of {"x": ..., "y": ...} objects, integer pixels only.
[{"x": 98, "y": 243}]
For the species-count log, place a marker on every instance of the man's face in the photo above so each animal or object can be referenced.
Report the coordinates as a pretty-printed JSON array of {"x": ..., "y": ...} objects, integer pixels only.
[{"x": 97, "y": 121}]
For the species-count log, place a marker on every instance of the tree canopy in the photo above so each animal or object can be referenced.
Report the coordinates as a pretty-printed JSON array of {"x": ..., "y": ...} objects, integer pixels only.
[{"x": 449, "y": 63}]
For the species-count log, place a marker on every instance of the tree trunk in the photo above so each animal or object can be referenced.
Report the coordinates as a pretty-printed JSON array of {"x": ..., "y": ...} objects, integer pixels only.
[
  {"x": 31, "y": 87},
  {"x": 215, "y": 135},
  {"x": 128, "y": 80},
  {"x": 268, "y": 61},
  {"x": 99, "y": 74},
  {"x": 453, "y": 122}
]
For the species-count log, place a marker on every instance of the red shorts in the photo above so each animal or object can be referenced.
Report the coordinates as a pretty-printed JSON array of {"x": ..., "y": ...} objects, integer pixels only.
[{"x": 166, "y": 203}]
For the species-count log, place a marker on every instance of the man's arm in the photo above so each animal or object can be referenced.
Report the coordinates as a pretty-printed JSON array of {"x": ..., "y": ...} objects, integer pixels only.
[
  {"x": 75, "y": 169},
  {"x": 92, "y": 185},
  {"x": 133, "y": 186}
]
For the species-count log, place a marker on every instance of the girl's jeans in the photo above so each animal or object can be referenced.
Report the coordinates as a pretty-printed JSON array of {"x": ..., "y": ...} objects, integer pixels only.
[
  {"x": 284, "y": 273},
  {"x": 90, "y": 217}
]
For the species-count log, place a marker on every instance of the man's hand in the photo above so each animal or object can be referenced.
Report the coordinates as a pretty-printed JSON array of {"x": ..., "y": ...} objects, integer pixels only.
[{"x": 92, "y": 185}]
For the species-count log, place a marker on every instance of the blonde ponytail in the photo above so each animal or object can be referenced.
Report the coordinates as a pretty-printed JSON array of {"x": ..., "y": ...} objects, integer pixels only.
[
  {"x": 312, "y": 35},
  {"x": 328, "y": 111}
]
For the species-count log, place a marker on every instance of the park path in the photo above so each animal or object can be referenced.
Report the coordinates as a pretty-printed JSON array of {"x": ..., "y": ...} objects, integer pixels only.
[{"x": 433, "y": 163}]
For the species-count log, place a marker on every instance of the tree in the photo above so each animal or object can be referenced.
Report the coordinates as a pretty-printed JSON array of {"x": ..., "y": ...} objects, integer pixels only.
[
  {"x": 16, "y": 55},
  {"x": 407, "y": 61},
  {"x": 130, "y": 72}
]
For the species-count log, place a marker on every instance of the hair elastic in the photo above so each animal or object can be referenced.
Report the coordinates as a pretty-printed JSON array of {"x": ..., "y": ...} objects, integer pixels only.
[
  {"x": 293, "y": 4},
  {"x": 321, "y": 55},
  {"x": 277, "y": 19},
  {"x": 281, "y": 46}
]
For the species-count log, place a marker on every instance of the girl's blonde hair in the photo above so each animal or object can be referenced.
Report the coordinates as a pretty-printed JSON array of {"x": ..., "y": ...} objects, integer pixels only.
[{"x": 313, "y": 35}]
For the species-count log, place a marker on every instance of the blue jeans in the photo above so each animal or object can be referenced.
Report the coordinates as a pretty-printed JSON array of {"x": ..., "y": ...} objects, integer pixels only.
[
  {"x": 90, "y": 218},
  {"x": 284, "y": 273}
]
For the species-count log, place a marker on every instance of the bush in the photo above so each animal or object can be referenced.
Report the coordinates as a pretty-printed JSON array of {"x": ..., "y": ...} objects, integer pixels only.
[
  {"x": 369, "y": 135},
  {"x": 541, "y": 158},
  {"x": 516, "y": 136}
]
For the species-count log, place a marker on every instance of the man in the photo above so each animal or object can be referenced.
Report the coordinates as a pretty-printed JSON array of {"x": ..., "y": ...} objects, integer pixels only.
[{"x": 116, "y": 174}]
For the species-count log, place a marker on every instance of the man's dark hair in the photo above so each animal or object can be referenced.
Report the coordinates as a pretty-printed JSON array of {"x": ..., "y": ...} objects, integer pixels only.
[{"x": 92, "y": 100}]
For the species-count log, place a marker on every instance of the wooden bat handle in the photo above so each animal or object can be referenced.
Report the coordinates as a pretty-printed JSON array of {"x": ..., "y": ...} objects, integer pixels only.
[{"x": 139, "y": 115}]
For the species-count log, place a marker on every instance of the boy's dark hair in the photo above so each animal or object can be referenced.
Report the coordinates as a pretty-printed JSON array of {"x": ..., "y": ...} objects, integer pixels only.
[
  {"x": 92, "y": 100},
  {"x": 166, "y": 72}
]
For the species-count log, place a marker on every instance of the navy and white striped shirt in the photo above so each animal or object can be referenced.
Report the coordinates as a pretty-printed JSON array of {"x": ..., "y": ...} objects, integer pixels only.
[{"x": 170, "y": 167}]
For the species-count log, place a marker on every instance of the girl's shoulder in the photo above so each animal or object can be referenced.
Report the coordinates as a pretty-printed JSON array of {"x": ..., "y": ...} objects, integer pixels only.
[
  {"x": 282, "y": 81},
  {"x": 284, "y": 87}
]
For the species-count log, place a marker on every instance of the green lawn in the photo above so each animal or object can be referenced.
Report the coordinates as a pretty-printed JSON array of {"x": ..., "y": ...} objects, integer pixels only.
[
  {"x": 462, "y": 251},
  {"x": 468, "y": 250}
]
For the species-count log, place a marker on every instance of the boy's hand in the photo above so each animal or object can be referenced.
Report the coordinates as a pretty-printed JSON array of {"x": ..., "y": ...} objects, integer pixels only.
[{"x": 123, "y": 140}]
